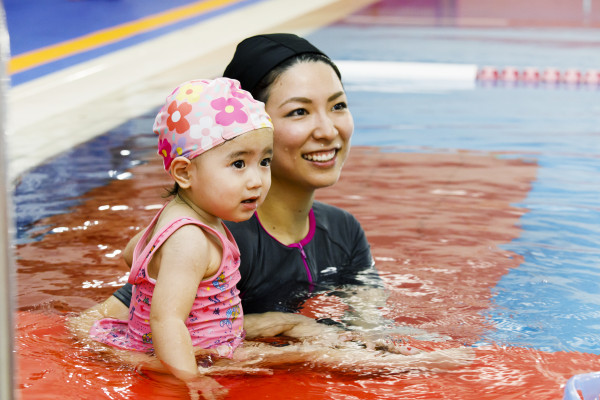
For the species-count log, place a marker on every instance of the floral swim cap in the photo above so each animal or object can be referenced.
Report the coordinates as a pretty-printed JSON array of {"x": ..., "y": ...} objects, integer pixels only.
[{"x": 202, "y": 114}]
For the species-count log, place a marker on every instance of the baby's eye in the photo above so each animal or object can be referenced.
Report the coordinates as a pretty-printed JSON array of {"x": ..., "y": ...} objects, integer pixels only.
[
  {"x": 265, "y": 162},
  {"x": 297, "y": 112},
  {"x": 239, "y": 164},
  {"x": 340, "y": 106}
]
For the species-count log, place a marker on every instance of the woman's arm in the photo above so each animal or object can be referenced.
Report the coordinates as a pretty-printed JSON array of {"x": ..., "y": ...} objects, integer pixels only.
[
  {"x": 366, "y": 294},
  {"x": 81, "y": 323},
  {"x": 297, "y": 326},
  {"x": 272, "y": 323},
  {"x": 311, "y": 332}
]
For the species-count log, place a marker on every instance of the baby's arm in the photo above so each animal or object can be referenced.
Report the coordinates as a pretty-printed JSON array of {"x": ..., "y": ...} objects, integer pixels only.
[{"x": 184, "y": 260}]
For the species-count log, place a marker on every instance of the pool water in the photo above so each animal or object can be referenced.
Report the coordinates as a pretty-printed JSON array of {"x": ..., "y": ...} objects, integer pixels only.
[
  {"x": 553, "y": 292},
  {"x": 475, "y": 251},
  {"x": 480, "y": 204},
  {"x": 550, "y": 302}
]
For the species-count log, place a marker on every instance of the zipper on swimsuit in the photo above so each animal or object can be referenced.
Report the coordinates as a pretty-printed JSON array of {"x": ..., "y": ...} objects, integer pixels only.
[
  {"x": 305, "y": 261},
  {"x": 307, "y": 239}
]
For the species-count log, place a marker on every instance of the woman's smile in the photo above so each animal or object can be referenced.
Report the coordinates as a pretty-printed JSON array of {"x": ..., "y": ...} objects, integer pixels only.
[{"x": 320, "y": 156}]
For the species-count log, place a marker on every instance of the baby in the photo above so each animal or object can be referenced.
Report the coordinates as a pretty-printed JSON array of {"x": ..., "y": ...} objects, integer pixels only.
[{"x": 216, "y": 142}]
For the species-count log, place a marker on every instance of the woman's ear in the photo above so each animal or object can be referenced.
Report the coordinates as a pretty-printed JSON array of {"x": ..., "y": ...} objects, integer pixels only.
[{"x": 180, "y": 171}]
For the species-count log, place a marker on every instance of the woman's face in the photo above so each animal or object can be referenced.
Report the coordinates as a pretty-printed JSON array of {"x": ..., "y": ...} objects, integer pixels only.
[{"x": 313, "y": 125}]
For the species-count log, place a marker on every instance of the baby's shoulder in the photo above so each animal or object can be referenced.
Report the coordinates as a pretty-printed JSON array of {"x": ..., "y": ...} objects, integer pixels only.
[{"x": 175, "y": 228}]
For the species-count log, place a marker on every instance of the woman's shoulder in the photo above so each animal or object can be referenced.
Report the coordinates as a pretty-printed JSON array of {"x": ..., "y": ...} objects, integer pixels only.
[
  {"x": 330, "y": 216},
  {"x": 244, "y": 231}
]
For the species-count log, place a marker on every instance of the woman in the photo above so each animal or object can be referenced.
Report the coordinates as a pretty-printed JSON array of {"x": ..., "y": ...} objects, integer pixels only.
[{"x": 293, "y": 246}]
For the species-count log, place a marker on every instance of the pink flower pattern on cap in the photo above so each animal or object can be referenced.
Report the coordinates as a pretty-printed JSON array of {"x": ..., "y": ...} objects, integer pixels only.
[{"x": 201, "y": 114}]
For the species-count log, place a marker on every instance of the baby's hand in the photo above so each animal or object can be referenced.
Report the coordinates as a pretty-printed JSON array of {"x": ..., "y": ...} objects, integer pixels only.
[{"x": 209, "y": 388}]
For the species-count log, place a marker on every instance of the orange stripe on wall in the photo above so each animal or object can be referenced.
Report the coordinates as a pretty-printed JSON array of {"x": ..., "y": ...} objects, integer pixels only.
[{"x": 104, "y": 37}]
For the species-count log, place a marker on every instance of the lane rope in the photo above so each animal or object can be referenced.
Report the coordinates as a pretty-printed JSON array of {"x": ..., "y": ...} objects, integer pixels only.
[{"x": 570, "y": 76}]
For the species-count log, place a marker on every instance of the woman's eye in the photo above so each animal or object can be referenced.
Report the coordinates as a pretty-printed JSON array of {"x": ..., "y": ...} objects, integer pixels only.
[
  {"x": 340, "y": 106},
  {"x": 238, "y": 164},
  {"x": 265, "y": 162},
  {"x": 297, "y": 112}
]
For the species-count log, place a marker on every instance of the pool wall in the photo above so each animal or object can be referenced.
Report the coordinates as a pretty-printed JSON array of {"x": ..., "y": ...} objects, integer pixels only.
[{"x": 6, "y": 265}]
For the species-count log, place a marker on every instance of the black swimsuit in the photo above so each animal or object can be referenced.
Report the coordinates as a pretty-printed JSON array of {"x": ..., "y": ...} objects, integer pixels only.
[{"x": 276, "y": 277}]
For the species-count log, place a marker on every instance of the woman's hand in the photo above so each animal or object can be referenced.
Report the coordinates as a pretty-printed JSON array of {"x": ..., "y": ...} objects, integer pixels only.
[{"x": 392, "y": 346}]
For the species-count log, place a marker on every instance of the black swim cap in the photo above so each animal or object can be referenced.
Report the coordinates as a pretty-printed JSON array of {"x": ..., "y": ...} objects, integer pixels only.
[{"x": 256, "y": 56}]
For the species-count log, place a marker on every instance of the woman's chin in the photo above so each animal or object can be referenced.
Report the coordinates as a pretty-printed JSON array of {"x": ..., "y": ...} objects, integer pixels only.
[
  {"x": 314, "y": 178},
  {"x": 325, "y": 181}
]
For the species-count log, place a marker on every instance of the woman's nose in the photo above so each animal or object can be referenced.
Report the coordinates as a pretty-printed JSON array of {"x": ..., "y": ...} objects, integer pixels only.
[{"x": 325, "y": 127}]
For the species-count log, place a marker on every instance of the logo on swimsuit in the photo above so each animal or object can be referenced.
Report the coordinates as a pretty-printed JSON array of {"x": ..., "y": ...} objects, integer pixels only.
[
  {"x": 232, "y": 314},
  {"x": 220, "y": 283},
  {"x": 147, "y": 337},
  {"x": 329, "y": 271}
]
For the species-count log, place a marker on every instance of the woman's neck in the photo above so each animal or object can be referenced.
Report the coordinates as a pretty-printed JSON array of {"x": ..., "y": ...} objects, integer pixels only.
[{"x": 284, "y": 213}]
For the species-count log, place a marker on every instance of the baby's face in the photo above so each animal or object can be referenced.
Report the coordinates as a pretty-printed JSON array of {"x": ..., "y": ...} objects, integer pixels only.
[{"x": 231, "y": 180}]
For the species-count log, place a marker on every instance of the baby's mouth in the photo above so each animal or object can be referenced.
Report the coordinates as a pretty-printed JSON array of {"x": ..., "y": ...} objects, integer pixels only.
[{"x": 321, "y": 156}]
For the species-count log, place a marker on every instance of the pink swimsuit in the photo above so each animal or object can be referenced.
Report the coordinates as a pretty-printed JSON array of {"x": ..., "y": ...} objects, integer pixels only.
[{"x": 216, "y": 317}]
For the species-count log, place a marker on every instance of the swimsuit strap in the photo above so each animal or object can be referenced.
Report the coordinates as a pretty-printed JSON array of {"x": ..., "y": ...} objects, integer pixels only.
[
  {"x": 140, "y": 244},
  {"x": 142, "y": 254}
]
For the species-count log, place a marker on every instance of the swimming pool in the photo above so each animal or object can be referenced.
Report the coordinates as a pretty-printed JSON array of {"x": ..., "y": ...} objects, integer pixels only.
[
  {"x": 554, "y": 126},
  {"x": 480, "y": 203}
]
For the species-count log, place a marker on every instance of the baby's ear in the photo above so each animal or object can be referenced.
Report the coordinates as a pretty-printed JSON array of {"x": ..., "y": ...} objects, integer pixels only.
[{"x": 180, "y": 171}]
